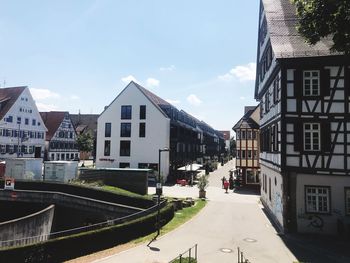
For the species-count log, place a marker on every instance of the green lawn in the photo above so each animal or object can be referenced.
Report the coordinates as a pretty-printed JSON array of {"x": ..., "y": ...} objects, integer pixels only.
[{"x": 180, "y": 217}]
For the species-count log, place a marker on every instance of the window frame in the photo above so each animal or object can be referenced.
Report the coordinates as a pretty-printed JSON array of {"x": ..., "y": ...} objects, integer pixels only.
[
  {"x": 108, "y": 129},
  {"x": 126, "y": 112},
  {"x": 317, "y": 195},
  {"x": 142, "y": 112},
  {"x": 107, "y": 148},
  {"x": 122, "y": 150},
  {"x": 142, "y": 129},
  {"x": 125, "y": 129},
  {"x": 311, "y": 78},
  {"x": 312, "y": 132}
]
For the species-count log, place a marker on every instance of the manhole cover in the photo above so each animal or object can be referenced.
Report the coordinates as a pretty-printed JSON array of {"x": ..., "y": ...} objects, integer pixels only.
[
  {"x": 226, "y": 250},
  {"x": 251, "y": 240}
]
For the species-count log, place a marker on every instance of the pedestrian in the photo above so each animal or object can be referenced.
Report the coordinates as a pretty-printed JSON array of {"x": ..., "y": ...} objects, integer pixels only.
[
  {"x": 230, "y": 180},
  {"x": 223, "y": 180},
  {"x": 226, "y": 185}
]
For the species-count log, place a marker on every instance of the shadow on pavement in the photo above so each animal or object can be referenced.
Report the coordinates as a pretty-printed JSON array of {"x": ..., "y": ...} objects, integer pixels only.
[{"x": 243, "y": 191}]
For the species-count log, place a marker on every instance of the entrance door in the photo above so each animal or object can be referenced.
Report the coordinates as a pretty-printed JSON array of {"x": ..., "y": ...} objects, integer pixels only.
[{"x": 37, "y": 153}]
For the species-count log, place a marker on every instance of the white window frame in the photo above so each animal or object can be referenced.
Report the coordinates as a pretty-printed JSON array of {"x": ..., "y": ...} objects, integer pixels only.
[
  {"x": 317, "y": 199},
  {"x": 312, "y": 136},
  {"x": 311, "y": 82}
]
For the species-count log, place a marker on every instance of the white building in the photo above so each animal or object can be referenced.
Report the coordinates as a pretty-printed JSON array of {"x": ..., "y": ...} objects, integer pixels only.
[
  {"x": 22, "y": 131},
  {"x": 131, "y": 130}
]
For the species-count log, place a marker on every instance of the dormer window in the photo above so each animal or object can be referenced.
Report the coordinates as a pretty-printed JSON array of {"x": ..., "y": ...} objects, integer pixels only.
[{"x": 311, "y": 82}]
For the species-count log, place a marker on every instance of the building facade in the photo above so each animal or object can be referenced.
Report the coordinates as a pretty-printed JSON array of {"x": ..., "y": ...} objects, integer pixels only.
[
  {"x": 138, "y": 123},
  {"x": 303, "y": 93},
  {"x": 22, "y": 131},
  {"x": 61, "y": 137},
  {"x": 248, "y": 147}
]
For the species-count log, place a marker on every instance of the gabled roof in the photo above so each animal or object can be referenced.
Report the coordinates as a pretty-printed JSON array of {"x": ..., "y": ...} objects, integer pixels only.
[
  {"x": 246, "y": 121},
  {"x": 8, "y": 97},
  {"x": 285, "y": 40},
  {"x": 52, "y": 120}
]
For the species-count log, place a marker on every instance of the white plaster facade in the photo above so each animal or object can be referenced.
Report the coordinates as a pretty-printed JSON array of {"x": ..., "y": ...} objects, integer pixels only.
[{"x": 142, "y": 149}]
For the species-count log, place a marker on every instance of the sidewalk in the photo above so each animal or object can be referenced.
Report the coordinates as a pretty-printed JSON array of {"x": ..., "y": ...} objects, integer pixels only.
[{"x": 228, "y": 221}]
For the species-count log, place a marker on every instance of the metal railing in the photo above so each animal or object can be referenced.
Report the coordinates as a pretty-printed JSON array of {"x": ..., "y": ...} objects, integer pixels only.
[
  {"x": 189, "y": 256},
  {"x": 241, "y": 258}
]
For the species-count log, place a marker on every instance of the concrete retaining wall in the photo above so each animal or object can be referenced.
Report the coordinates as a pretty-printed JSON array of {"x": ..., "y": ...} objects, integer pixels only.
[
  {"x": 28, "y": 229},
  {"x": 134, "y": 180}
]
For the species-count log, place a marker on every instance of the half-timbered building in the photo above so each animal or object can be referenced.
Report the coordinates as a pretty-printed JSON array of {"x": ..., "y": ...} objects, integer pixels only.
[
  {"x": 305, "y": 125},
  {"x": 247, "y": 147}
]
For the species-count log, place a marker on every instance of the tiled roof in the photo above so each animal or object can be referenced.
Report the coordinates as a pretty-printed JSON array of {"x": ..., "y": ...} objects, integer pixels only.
[
  {"x": 52, "y": 120},
  {"x": 285, "y": 40},
  {"x": 246, "y": 121},
  {"x": 84, "y": 122},
  {"x": 8, "y": 97}
]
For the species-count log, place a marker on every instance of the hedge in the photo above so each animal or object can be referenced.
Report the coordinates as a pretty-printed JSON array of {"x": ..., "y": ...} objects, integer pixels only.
[
  {"x": 65, "y": 248},
  {"x": 141, "y": 202}
]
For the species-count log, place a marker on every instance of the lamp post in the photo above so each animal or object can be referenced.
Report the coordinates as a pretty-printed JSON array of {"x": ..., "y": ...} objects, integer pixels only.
[{"x": 159, "y": 188}]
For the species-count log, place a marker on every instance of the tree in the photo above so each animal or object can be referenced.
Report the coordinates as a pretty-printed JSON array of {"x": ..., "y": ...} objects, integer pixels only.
[
  {"x": 85, "y": 142},
  {"x": 322, "y": 18}
]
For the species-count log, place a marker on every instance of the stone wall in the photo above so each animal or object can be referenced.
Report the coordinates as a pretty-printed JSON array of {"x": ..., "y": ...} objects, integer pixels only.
[{"x": 26, "y": 230}]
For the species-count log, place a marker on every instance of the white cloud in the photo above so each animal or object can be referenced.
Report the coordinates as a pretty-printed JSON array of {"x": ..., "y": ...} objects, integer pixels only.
[
  {"x": 46, "y": 107},
  {"x": 242, "y": 73},
  {"x": 170, "y": 68},
  {"x": 194, "y": 100},
  {"x": 42, "y": 94},
  {"x": 174, "y": 102},
  {"x": 129, "y": 78},
  {"x": 151, "y": 82}
]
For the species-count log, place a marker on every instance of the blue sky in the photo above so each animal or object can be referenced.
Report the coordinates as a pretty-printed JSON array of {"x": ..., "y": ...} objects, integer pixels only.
[{"x": 78, "y": 55}]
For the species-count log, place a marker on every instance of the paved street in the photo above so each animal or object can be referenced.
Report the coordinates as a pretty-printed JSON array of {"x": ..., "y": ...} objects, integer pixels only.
[{"x": 228, "y": 221}]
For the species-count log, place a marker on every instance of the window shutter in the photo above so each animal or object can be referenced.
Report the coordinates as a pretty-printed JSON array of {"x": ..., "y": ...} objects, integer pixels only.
[
  {"x": 298, "y": 136},
  {"x": 326, "y": 141},
  {"x": 325, "y": 82},
  {"x": 298, "y": 83}
]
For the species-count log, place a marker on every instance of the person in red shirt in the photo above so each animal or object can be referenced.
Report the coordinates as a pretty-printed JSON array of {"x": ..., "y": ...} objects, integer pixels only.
[{"x": 226, "y": 185}]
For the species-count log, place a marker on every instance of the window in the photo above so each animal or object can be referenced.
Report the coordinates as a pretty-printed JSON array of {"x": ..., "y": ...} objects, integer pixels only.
[
  {"x": 311, "y": 136},
  {"x": 142, "y": 112},
  {"x": 107, "y": 150},
  {"x": 19, "y": 120},
  {"x": 142, "y": 130},
  {"x": 317, "y": 199},
  {"x": 249, "y": 135},
  {"x": 126, "y": 112},
  {"x": 124, "y": 165},
  {"x": 252, "y": 177},
  {"x": 238, "y": 135},
  {"x": 238, "y": 154},
  {"x": 254, "y": 135},
  {"x": 311, "y": 82},
  {"x": 243, "y": 154},
  {"x": 249, "y": 154},
  {"x": 276, "y": 84},
  {"x": 108, "y": 128},
  {"x": 243, "y": 135},
  {"x": 124, "y": 148},
  {"x": 125, "y": 129},
  {"x": 347, "y": 200},
  {"x": 33, "y": 122},
  {"x": 269, "y": 188},
  {"x": 26, "y": 121},
  {"x": 267, "y": 102},
  {"x": 255, "y": 154},
  {"x": 9, "y": 119}
]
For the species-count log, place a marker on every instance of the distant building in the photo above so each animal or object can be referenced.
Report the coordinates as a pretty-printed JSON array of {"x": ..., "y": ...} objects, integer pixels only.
[
  {"x": 303, "y": 92},
  {"x": 138, "y": 123},
  {"x": 227, "y": 140},
  {"x": 22, "y": 131},
  {"x": 60, "y": 137},
  {"x": 86, "y": 123},
  {"x": 248, "y": 146}
]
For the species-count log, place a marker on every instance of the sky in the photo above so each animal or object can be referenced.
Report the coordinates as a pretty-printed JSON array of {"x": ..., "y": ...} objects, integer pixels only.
[{"x": 78, "y": 55}]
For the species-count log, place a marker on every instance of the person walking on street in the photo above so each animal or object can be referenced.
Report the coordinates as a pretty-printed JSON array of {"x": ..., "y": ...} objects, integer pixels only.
[
  {"x": 223, "y": 181},
  {"x": 226, "y": 185}
]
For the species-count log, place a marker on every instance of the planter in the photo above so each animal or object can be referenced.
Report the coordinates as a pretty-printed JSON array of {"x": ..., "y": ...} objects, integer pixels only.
[{"x": 202, "y": 193}]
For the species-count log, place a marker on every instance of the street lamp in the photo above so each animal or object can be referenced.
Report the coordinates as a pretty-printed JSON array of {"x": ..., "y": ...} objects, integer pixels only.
[{"x": 159, "y": 188}]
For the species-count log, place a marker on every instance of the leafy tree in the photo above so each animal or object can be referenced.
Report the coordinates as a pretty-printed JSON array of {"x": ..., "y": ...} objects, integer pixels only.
[
  {"x": 85, "y": 142},
  {"x": 322, "y": 18}
]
